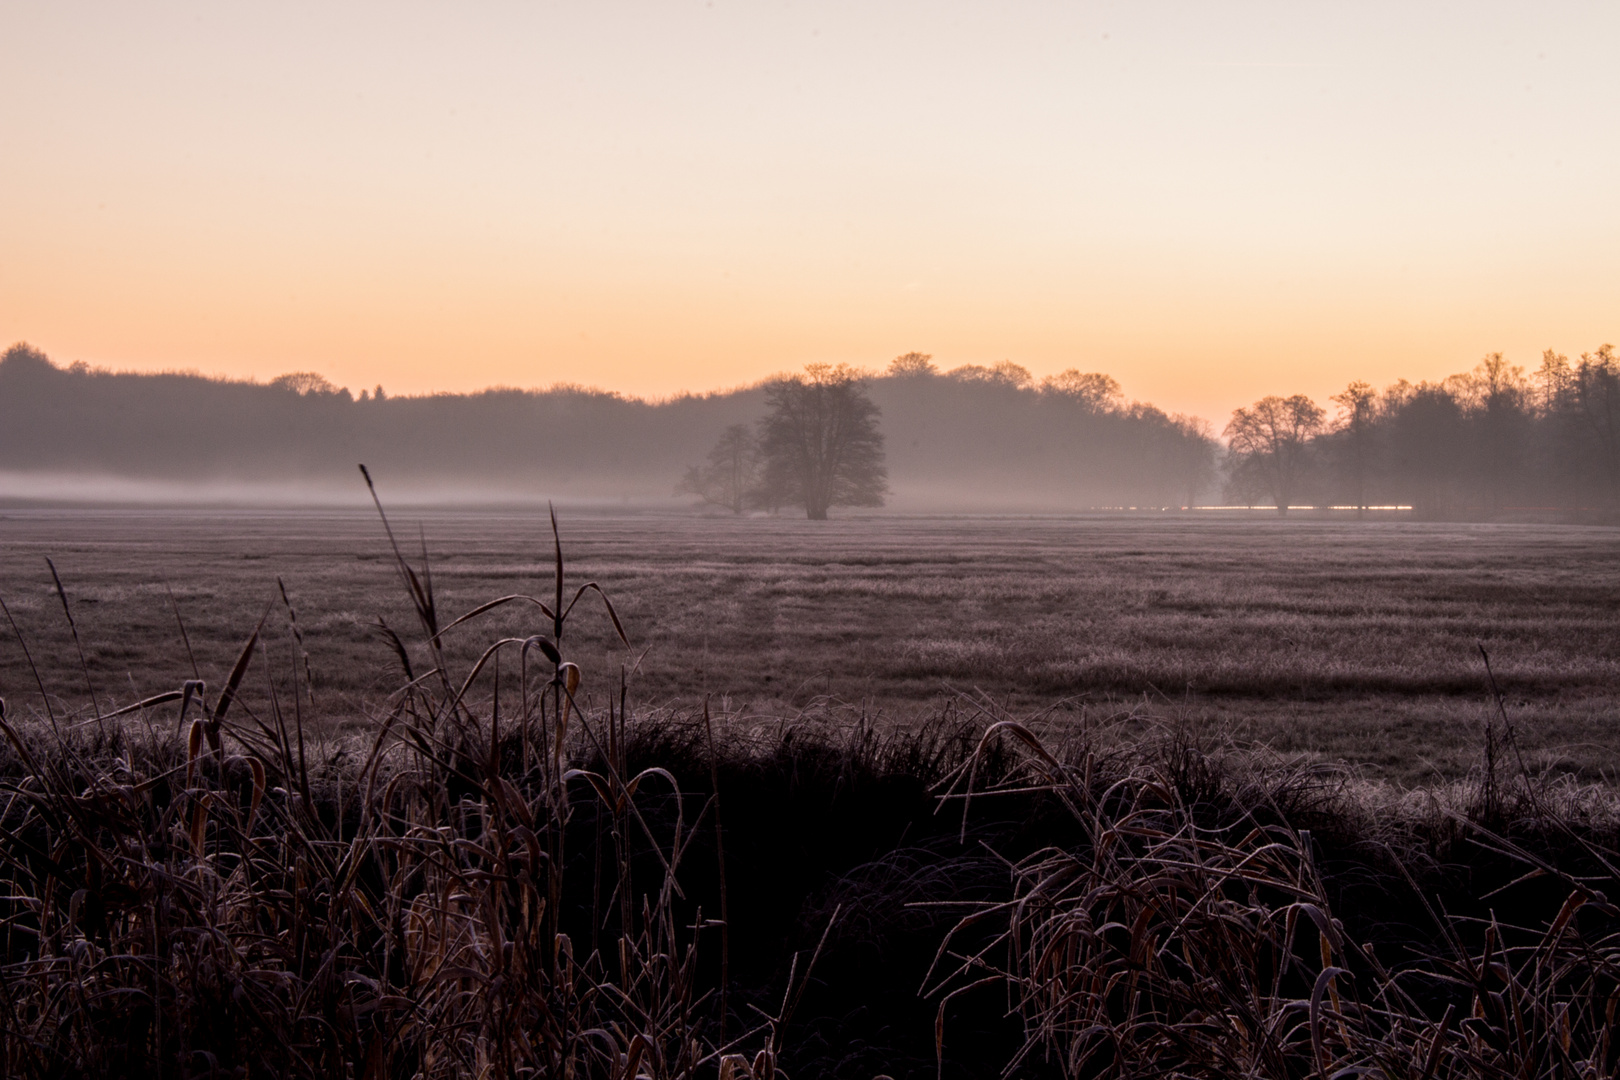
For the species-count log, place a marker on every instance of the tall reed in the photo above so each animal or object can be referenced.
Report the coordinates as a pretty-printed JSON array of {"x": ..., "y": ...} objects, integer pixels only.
[{"x": 212, "y": 906}]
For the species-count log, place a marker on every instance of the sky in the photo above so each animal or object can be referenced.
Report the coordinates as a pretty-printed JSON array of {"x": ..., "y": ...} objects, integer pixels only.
[{"x": 1209, "y": 201}]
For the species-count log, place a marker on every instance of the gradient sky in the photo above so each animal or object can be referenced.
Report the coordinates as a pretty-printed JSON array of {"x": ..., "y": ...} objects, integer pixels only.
[{"x": 1210, "y": 201}]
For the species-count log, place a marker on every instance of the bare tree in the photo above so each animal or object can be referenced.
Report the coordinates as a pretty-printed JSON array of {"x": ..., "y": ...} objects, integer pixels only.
[
  {"x": 731, "y": 474},
  {"x": 1092, "y": 390},
  {"x": 912, "y": 365},
  {"x": 1596, "y": 401},
  {"x": 1556, "y": 379},
  {"x": 1358, "y": 416},
  {"x": 1268, "y": 443},
  {"x": 1005, "y": 374},
  {"x": 304, "y": 383},
  {"x": 820, "y": 442},
  {"x": 1498, "y": 396},
  {"x": 1427, "y": 432},
  {"x": 1194, "y": 460}
]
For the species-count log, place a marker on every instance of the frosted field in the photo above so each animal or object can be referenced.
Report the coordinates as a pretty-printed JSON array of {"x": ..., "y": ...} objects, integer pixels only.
[{"x": 1337, "y": 639}]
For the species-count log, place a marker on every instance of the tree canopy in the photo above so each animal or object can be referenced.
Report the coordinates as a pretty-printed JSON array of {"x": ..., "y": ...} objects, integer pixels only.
[
  {"x": 1268, "y": 443},
  {"x": 820, "y": 442}
]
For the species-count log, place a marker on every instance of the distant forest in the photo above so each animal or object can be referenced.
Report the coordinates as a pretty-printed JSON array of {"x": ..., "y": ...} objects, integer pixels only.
[
  {"x": 1492, "y": 442},
  {"x": 976, "y": 437}
]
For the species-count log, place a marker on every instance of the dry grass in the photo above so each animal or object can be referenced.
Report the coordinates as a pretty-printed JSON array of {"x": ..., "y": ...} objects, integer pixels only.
[
  {"x": 1191, "y": 932},
  {"x": 208, "y": 907},
  {"x": 1337, "y": 641},
  {"x": 498, "y": 879}
]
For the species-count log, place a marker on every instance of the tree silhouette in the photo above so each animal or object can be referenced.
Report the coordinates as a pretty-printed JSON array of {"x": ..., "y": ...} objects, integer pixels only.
[
  {"x": 304, "y": 383},
  {"x": 23, "y": 355},
  {"x": 1092, "y": 390},
  {"x": 1587, "y": 399},
  {"x": 1193, "y": 449},
  {"x": 1005, "y": 374},
  {"x": 1499, "y": 398},
  {"x": 820, "y": 442},
  {"x": 1428, "y": 440},
  {"x": 731, "y": 474},
  {"x": 912, "y": 365},
  {"x": 1358, "y": 416},
  {"x": 1269, "y": 441}
]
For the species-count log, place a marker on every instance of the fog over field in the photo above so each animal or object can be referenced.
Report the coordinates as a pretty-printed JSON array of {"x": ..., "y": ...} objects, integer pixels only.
[
  {"x": 986, "y": 439},
  {"x": 1490, "y": 443}
]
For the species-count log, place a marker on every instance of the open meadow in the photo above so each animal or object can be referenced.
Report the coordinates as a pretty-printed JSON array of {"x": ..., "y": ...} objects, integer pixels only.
[
  {"x": 1338, "y": 640},
  {"x": 412, "y": 862}
]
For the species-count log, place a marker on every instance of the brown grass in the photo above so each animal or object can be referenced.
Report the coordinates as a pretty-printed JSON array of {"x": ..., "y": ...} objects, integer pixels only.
[
  {"x": 1191, "y": 933},
  {"x": 1333, "y": 640},
  {"x": 242, "y": 890},
  {"x": 218, "y": 912}
]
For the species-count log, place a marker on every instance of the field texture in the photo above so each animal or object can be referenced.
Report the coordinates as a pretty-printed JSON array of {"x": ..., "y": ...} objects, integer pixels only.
[{"x": 1340, "y": 640}]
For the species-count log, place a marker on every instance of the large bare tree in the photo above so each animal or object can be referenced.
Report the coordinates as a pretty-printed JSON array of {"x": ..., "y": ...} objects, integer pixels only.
[
  {"x": 1268, "y": 443},
  {"x": 820, "y": 442}
]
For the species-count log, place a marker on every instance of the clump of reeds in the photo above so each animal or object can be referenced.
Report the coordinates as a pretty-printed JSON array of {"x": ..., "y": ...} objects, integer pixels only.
[
  {"x": 1193, "y": 933},
  {"x": 196, "y": 904}
]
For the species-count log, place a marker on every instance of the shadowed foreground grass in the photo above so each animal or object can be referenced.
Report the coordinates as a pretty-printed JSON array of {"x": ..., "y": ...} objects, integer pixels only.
[
  {"x": 496, "y": 881},
  {"x": 1098, "y": 909}
]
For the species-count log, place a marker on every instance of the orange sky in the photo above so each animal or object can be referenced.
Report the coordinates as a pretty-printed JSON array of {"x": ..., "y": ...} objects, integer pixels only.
[{"x": 1209, "y": 201}]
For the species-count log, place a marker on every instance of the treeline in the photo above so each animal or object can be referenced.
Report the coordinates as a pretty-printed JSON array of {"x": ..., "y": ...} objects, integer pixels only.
[
  {"x": 566, "y": 440},
  {"x": 1068, "y": 441},
  {"x": 987, "y": 438},
  {"x": 1491, "y": 442}
]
